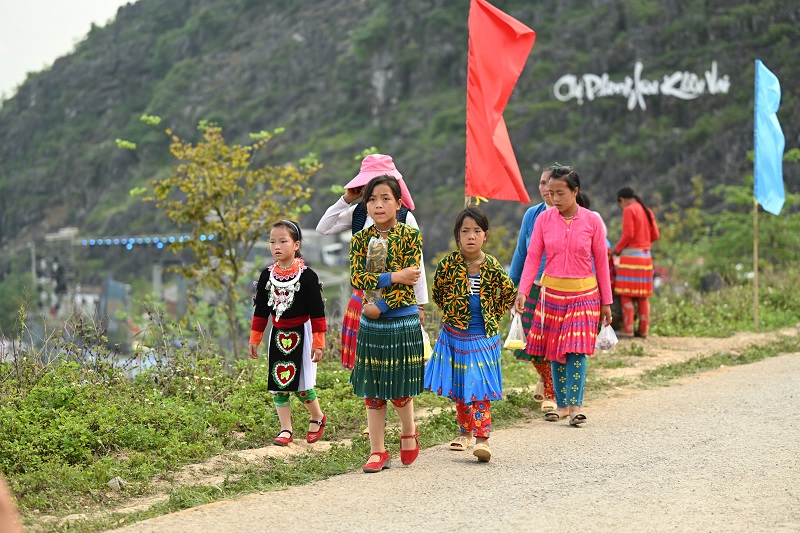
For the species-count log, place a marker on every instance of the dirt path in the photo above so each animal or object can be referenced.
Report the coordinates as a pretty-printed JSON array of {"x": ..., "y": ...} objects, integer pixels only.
[
  {"x": 644, "y": 462},
  {"x": 646, "y": 354},
  {"x": 659, "y": 351}
]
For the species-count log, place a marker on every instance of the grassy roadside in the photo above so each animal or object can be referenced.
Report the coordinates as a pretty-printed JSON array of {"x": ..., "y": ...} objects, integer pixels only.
[
  {"x": 437, "y": 426},
  {"x": 664, "y": 374},
  {"x": 70, "y": 424}
]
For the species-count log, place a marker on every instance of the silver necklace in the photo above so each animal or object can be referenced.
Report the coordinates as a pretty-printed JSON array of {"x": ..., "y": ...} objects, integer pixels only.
[
  {"x": 287, "y": 267},
  {"x": 281, "y": 293},
  {"x": 474, "y": 260}
]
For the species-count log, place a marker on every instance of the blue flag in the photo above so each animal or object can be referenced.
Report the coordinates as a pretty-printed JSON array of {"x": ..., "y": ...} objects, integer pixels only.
[{"x": 769, "y": 142}]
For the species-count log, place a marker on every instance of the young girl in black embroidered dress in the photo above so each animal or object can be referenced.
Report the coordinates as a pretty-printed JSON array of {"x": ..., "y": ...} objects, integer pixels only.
[{"x": 290, "y": 292}]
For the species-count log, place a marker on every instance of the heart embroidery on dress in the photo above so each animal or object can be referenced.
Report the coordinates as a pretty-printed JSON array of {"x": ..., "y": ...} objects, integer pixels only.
[
  {"x": 287, "y": 341},
  {"x": 284, "y": 372}
]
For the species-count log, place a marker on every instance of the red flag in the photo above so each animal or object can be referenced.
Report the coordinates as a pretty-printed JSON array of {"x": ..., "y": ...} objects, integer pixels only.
[{"x": 499, "y": 45}]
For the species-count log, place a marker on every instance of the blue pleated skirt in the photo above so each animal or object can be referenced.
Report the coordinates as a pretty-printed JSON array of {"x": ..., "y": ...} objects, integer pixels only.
[{"x": 465, "y": 367}]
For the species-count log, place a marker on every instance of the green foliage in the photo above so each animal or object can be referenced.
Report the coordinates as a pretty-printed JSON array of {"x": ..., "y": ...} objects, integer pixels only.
[
  {"x": 125, "y": 145},
  {"x": 695, "y": 241},
  {"x": 150, "y": 120},
  {"x": 73, "y": 417},
  {"x": 722, "y": 313},
  {"x": 633, "y": 349},
  {"x": 731, "y": 239},
  {"x": 644, "y": 11},
  {"x": 373, "y": 32},
  {"x": 792, "y": 156},
  {"x": 364, "y": 153},
  {"x": 684, "y": 233},
  {"x": 663, "y": 374},
  {"x": 227, "y": 202},
  {"x": 15, "y": 295}
]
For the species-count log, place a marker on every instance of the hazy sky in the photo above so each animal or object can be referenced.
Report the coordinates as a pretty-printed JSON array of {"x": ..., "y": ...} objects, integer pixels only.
[{"x": 34, "y": 33}]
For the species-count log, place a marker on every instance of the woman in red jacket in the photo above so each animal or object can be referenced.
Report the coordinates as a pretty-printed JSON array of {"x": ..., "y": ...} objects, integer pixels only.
[{"x": 634, "y": 265}]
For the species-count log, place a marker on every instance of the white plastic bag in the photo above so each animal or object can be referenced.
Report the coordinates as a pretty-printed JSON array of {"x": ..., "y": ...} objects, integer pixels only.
[
  {"x": 427, "y": 349},
  {"x": 606, "y": 339},
  {"x": 516, "y": 335}
]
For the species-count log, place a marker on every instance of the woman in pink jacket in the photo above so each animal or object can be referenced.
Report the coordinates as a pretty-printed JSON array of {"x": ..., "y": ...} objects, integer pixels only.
[{"x": 576, "y": 291}]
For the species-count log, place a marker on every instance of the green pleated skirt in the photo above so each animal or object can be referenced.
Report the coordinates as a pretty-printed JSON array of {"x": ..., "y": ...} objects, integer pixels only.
[
  {"x": 527, "y": 320},
  {"x": 389, "y": 358}
]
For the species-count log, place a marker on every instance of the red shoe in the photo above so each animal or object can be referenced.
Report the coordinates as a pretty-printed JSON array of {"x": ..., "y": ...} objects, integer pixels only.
[
  {"x": 409, "y": 456},
  {"x": 314, "y": 436},
  {"x": 376, "y": 466},
  {"x": 283, "y": 441}
]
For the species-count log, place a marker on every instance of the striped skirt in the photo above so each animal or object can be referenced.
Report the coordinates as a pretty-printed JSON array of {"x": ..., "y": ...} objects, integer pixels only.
[
  {"x": 634, "y": 274},
  {"x": 352, "y": 316},
  {"x": 465, "y": 367},
  {"x": 389, "y": 362},
  {"x": 527, "y": 318},
  {"x": 569, "y": 324}
]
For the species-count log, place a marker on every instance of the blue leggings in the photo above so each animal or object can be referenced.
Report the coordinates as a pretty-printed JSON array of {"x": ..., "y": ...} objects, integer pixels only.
[{"x": 569, "y": 379}]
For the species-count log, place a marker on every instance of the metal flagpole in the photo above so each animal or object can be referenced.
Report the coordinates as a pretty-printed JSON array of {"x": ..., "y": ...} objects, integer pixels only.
[{"x": 755, "y": 263}]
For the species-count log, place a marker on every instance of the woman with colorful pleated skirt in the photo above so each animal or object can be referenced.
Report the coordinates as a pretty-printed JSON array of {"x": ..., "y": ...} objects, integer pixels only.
[{"x": 575, "y": 295}]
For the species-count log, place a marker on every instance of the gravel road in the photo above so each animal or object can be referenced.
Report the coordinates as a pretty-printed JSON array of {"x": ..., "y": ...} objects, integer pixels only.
[{"x": 719, "y": 451}]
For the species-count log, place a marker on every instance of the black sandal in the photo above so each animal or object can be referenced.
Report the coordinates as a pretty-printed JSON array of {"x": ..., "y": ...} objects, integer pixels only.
[{"x": 577, "y": 419}]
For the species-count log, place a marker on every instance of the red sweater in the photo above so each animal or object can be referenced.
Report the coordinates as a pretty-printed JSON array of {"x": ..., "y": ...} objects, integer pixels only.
[{"x": 637, "y": 232}]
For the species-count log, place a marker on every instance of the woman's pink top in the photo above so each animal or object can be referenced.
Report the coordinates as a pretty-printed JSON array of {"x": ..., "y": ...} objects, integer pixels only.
[{"x": 569, "y": 249}]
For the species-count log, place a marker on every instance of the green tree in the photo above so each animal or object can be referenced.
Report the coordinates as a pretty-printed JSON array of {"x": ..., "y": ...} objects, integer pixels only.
[
  {"x": 695, "y": 240},
  {"x": 227, "y": 202},
  {"x": 731, "y": 243},
  {"x": 14, "y": 295}
]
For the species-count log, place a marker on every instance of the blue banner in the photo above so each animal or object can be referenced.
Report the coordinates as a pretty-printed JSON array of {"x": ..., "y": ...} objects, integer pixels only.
[{"x": 769, "y": 142}]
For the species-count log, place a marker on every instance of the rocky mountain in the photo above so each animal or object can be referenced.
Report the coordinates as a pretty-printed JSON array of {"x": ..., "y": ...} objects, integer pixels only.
[{"x": 632, "y": 92}]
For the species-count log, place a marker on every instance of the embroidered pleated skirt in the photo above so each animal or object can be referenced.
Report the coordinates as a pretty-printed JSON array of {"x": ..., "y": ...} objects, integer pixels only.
[
  {"x": 465, "y": 367},
  {"x": 634, "y": 274},
  {"x": 389, "y": 358},
  {"x": 564, "y": 322},
  {"x": 527, "y": 319},
  {"x": 352, "y": 317}
]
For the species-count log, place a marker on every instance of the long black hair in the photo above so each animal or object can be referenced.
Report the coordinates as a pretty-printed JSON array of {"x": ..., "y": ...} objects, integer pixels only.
[
  {"x": 627, "y": 193},
  {"x": 569, "y": 176}
]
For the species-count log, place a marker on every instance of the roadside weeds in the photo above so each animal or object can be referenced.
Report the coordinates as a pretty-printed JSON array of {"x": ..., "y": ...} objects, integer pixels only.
[{"x": 633, "y": 365}]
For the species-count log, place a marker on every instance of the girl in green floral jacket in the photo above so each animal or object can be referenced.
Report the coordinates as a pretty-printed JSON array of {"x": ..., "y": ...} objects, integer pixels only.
[
  {"x": 384, "y": 263},
  {"x": 474, "y": 292}
]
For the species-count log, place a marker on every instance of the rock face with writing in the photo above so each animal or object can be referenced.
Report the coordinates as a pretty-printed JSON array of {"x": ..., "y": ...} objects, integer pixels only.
[
  {"x": 390, "y": 72},
  {"x": 680, "y": 84}
]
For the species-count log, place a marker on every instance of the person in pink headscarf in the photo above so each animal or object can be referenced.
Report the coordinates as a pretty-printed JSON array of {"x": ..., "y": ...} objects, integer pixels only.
[{"x": 349, "y": 214}]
